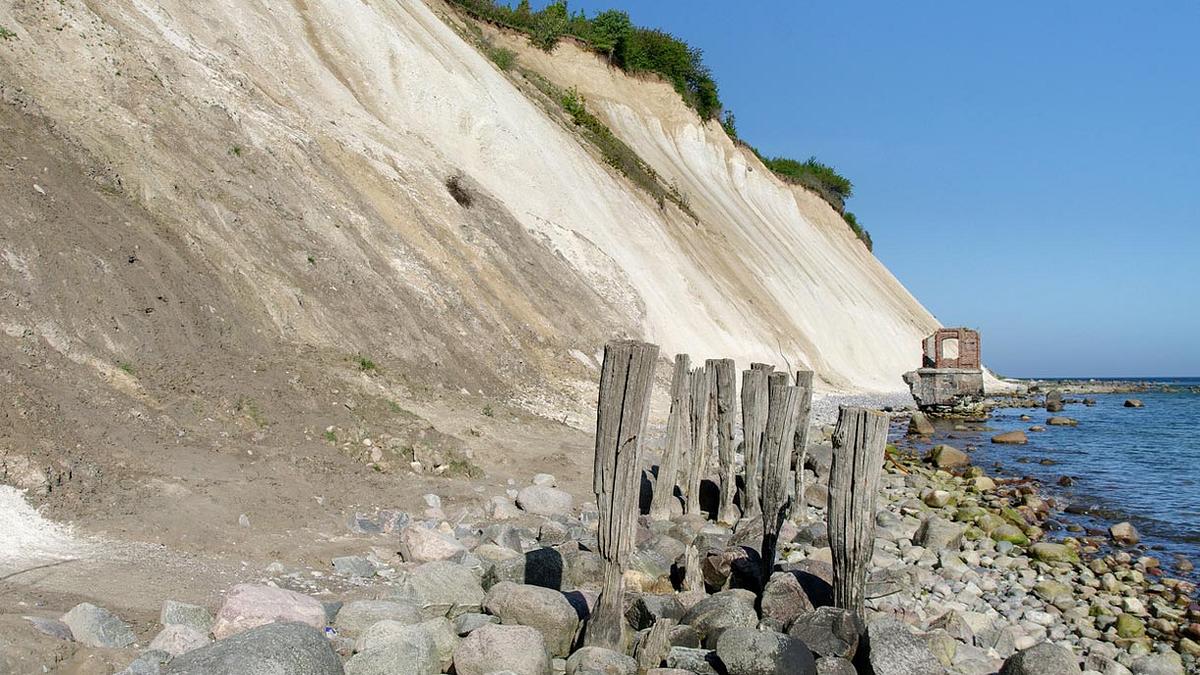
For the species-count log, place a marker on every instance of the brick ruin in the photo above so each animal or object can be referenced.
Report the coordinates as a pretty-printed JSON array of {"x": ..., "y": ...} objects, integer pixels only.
[{"x": 950, "y": 376}]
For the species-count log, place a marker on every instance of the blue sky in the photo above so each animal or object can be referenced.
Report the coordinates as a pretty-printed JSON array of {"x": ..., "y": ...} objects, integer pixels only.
[{"x": 1029, "y": 169}]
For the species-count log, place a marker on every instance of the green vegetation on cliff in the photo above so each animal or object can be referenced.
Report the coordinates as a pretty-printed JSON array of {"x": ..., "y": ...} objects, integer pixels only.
[{"x": 634, "y": 49}]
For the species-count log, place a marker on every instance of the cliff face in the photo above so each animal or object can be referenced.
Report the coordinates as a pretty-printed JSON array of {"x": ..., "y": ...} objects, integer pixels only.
[{"x": 227, "y": 182}]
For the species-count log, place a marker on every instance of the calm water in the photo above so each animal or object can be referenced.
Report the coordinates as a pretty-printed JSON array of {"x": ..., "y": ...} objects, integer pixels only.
[{"x": 1136, "y": 464}]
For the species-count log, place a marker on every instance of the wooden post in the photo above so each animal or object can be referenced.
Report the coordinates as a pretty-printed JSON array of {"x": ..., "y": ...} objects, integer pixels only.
[
  {"x": 679, "y": 441},
  {"x": 754, "y": 425},
  {"x": 783, "y": 407},
  {"x": 693, "y": 576},
  {"x": 702, "y": 383},
  {"x": 726, "y": 407},
  {"x": 858, "y": 447},
  {"x": 804, "y": 380},
  {"x": 626, "y": 380},
  {"x": 654, "y": 647}
]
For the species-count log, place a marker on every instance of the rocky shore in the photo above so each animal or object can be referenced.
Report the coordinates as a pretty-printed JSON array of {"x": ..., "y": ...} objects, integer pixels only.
[{"x": 963, "y": 580}]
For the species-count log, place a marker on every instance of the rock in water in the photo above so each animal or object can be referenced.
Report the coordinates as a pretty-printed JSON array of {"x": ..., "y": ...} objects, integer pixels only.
[
  {"x": 1042, "y": 659},
  {"x": 894, "y": 650},
  {"x": 1062, "y": 422},
  {"x": 292, "y": 648},
  {"x": 828, "y": 631},
  {"x": 1124, "y": 534},
  {"x": 919, "y": 425},
  {"x": 97, "y": 627},
  {"x": 748, "y": 651},
  {"x": 948, "y": 457},
  {"x": 1011, "y": 438},
  {"x": 600, "y": 661},
  {"x": 1054, "y": 401},
  {"x": 542, "y": 608},
  {"x": 1133, "y": 403},
  {"x": 250, "y": 605},
  {"x": 544, "y": 500},
  {"x": 493, "y": 648}
]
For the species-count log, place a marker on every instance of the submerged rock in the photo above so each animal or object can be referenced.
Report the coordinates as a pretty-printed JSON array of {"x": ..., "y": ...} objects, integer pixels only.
[
  {"x": 1011, "y": 438},
  {"x": 1124, "y": 533}
]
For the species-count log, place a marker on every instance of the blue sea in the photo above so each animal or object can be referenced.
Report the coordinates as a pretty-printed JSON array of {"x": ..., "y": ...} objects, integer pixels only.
[{"x": 1135, "y": 464}]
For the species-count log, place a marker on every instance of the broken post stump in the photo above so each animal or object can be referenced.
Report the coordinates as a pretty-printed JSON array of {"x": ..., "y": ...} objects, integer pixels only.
[
  {"x": 754, "y": 425},
  {"x": 626, "y": 380},
  {"x": 783, "y": 408},
  {"x": 804, "y": 380},
  {"x": 858, "y": 447},
  {"x": 679, "y": 440},
  {"x": 726, "y": 397},
  {"x": 702, "y": 383}
]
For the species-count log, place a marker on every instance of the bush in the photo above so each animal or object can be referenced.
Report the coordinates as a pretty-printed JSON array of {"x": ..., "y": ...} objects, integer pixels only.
[
  {"x": 858, "y": 230},
  {"x": 505, "y": 58}
]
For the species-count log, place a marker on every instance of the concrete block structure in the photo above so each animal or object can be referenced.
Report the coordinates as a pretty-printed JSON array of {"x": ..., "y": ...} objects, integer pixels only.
[{"x": 950, "y": 375}]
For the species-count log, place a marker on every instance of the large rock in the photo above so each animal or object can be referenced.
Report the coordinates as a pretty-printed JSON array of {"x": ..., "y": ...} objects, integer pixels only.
[
  {"x": 441, "y": 588},
  {"x": 291, "y": 648},
  {"x": 832, "y": 665},
  {"x": 1058, "y": 421},
  {"x": 748, "y": 651},
  {"x": 1054, "y": 401},
  {"x": 97, "y": 627},
  {"x": 937, "y": 533},
  {"x": 542, "y": 608},
  {"x": 1133, "y": 403},
  {"x": 726, "y": 609},
  {"x": 176, "y": 639},
  {"x": 421, "y": 544},
  {"x": 187, "y": 615},
  {"x": 1124, "y": 534},
  {"x": 1011, "y": 438},
  {"x": 828, "y": 631},
  {"x": 919, "y": 425},
  {"x": 1158, "y": 664},
  {"x": 1042, "y": 659},
  {"x": 948, "y": 457},
  {"x": 357, "y": 616},
  {"x": 894, "y": 650},
  {"x": 600, "y": 661},
  {"x": 1050, "y": 552},
  {"x": 493, "y": 648},
  {"x": 250, "y": 605},
  {"x": 694, "y": 661},
  {"x": 389, "y": 647},
  {"x": 544, "y": 500},
  {"x": 783, "y": 600}
]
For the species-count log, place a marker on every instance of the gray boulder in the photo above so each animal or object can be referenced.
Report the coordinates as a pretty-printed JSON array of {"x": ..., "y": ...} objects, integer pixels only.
[
  {"x": 465, "y": 623},
  {"x": 176, "y": 639},
  {"x": 545, "y": 609},
  {"x": 727, "y": 609},
  {"x": 187, "y": 615},
  {"x": 894, "y": 650},
  {"x": 827, "y": 631},
  {"x": 97, "y": 627},
  {"x": 600, "y": 661},
  {"x": 149, "y": 662},
  {"x": 358, "y": 616},
  {"x": 354, "y": 566},
  {"x": 1157, "y": 664},
  {"x": 832, "y": 665},
  {"x": 493, "y": 648},
  {"x": 696, "y": 661},
  {"x": 292, "y": 648},
  {"x": 1042, "y": 659},
  {"x": 544, "y": 500},
  {"x": 441, "y": 588},
  {"x": 748, "y": 651},
  {"x": 388, "y": 648},
  {"x": 937, "y": 533}
]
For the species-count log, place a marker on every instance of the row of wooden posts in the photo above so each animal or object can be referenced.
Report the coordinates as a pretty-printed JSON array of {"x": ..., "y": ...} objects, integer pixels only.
[{"x": 775, "y": 422}]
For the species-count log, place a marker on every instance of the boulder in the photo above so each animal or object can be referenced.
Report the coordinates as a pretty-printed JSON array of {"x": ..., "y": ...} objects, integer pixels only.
[
  {"x": 919, "y": 425},
  {"x": 292, "y": 648},
  {"x": 97, "y": 627},
  {"x": 832, "y": 665},
  {"x": 694, "y": 661},
  {"x": 545, "y": 609},
  {"x": 493, "y": 648},
  {"x": 828, "y": 631},
  {"x": 390, "y": 647},
  {"x": 177, "y": 638},
  {"x": 1129, "y": 626},
  {"x": 357, "y": 616},
  {"x": 600, "y": 661},
  {"x": 441, "y": 588},
  {"x": 647, "y": 609},
  {"x": 464, "y": 624},
  {"x": 1010, "y": 533},
  {"x": 894, "y": 650},
  {"x": 421, "y": 544},
  {"x": 545, "y": 479},
  {"x": 1168, "y": 663},
  {"x": 354, "y": 566},
  {"x": 1057, "y": 421},
  {"x": 937, "y": 533},
  {"x": 723, "y": 610},
  {"x": 1124, "y": 534},
  {"x": 250, "y": 605},
  {"x": 544, "y": 500},
  {"x": 1133, "y": 403},
  {"x": 1011, "y": 438},
  {"x": 783, "y": 600},
  {"x": 1054, "y": 401},
  {"x": 748, "y": 651},
  {"x": 1043, "y": 658},
  {"x": 948, "y": 457},
  {"x": 184, "y": 614},
  {"x": 1052, "y": 553}
]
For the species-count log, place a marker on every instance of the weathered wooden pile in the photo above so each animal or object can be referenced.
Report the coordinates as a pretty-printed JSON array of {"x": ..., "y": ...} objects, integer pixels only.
[{"x": 776, "y": 412}]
